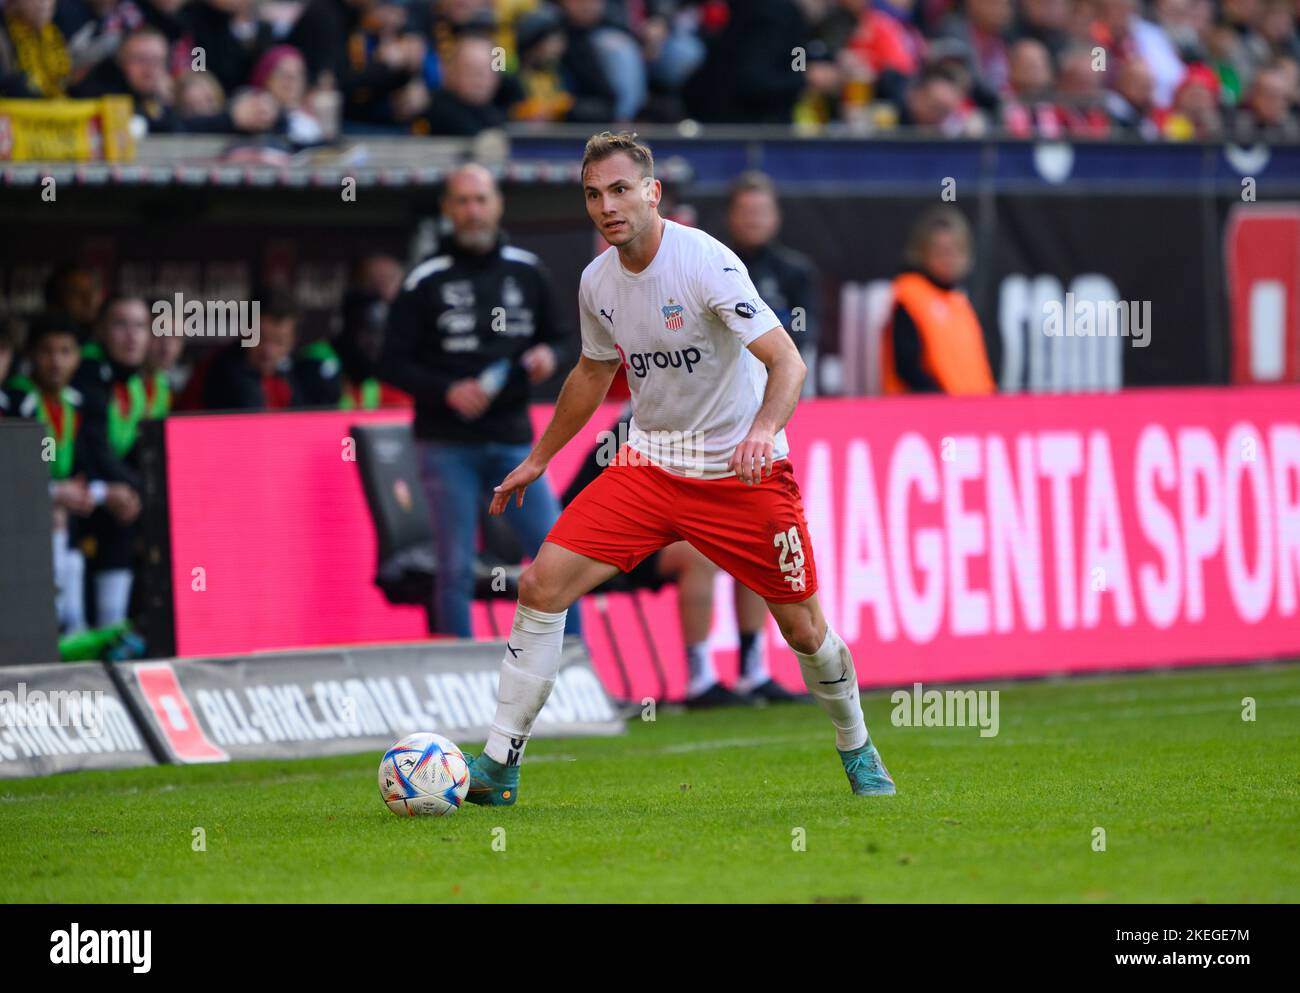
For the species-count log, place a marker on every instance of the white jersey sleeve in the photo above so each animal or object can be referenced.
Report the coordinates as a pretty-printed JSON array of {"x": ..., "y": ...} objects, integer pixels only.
[
  {"x": 726, "y": 289},
  {"x": 597, "y": 335}
]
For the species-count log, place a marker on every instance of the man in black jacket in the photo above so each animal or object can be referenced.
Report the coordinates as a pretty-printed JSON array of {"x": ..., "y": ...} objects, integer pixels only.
[
  {"x": 784, "y": 278},
  {"x": 258, "y": 376},
  {"x": 232, "y": 35},
  {"x": 585, "y": 75},
  {"x": 471, "y": 98},
  {"x": 332, "y": 39},
  {"x": 472, "y": 330},
  {"x": 747, "y": 77}
]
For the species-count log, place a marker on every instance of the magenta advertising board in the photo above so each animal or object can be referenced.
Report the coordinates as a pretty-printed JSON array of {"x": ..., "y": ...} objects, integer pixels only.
[
  {"x": 954, "y": 538},
  {"x": 1025, "y": 535}
]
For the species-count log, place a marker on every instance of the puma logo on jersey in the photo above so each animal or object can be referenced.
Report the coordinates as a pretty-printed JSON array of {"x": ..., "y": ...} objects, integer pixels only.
[{"x": 608, "y": 316}]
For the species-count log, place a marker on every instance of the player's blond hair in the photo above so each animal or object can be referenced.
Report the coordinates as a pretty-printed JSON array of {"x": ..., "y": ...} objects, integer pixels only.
[{"x": 606, "y": 144}]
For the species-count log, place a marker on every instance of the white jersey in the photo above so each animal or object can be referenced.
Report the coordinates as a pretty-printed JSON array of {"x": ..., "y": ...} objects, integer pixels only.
[{"x": 681, "y": 327}]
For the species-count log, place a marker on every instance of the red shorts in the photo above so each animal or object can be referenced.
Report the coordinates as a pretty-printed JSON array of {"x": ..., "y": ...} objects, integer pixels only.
[{"x": 757, "y": 533}]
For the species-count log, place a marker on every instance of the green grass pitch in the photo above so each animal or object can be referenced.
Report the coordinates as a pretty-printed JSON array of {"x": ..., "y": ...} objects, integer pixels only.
[{"x": 1196, "y": 804}]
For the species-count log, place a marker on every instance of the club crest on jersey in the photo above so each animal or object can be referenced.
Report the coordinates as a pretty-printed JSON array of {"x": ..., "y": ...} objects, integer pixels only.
[{"x": 674, "y": 319}]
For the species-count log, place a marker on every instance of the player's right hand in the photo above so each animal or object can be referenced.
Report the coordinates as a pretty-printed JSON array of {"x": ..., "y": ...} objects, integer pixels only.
[{"x": 514, "y": 484}]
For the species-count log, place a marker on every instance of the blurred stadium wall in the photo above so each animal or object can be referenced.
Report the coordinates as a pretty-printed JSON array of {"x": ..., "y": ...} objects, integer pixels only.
[{"x": 1168, "y": 224}]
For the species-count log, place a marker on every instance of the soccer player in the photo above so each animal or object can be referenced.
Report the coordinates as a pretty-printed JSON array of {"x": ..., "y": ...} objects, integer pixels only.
[{"x": 714, "y": 378}]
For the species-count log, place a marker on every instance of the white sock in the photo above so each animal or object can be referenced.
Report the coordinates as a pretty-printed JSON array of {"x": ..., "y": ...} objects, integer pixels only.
[
  {"x": 69, "y": 569},
  {"x": 699, "y": 665},
  {"x": 58, "y": 548},
  {"x": 832, "y": 680},
  {"x": 74, "y": 592},
  {"x": 528, "y": 672},
  {"x": 112, "y": 596}
]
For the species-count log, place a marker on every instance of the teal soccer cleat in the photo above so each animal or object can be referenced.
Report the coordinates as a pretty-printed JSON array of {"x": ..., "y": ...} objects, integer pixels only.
[
  {"x": 492, "y": 784},
  {"x": 867, "y": 774}
]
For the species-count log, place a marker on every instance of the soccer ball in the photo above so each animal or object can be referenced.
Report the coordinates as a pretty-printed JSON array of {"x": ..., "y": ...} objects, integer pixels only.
[{"x": 424, "y": 773}]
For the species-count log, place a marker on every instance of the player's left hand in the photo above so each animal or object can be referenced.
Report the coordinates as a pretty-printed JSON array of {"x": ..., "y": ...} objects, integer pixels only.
[
  {"x": 752, "y": 459},
  {"x": 538, "y": 362}
]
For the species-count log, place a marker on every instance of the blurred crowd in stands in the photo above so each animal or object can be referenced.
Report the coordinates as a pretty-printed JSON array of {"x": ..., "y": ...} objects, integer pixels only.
[
  {"x": 96, "y": 365},
  {"x": 306, "y": 70}
]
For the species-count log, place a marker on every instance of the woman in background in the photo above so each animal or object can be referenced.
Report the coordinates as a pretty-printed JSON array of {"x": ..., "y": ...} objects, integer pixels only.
[{"x": 934, "y": 343}]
